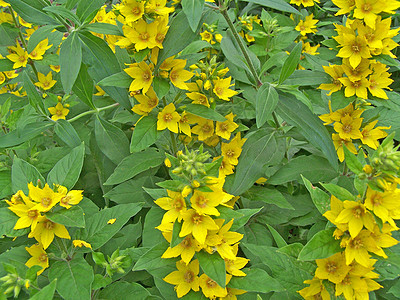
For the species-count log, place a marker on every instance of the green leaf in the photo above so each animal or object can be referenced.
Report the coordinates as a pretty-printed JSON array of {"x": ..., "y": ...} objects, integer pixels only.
[
  {"x": 34, "y": 98},
  {"x": 267, "y": 195},
  {"x": 280, "y": 242},
  {"x": 102, "y": 62},
  {"x": 6, "y": 65},
  {"x": 70, "y": 61},
  {"x": 67, "y": 170},
  {"x": 134, "y": 164},
  {"x": 23, "y": 173},
  {"x": 214, "y": 266},
  {"x": 73, "y": 217},
  {"x": 152, "y": 262},
  {"x": 8, "y": 221},
  {"x": 145, "y": 134},
  {"x": 338, "y": 192},
  {"x": 276, "y": 4},
  {"x": 175, "y": 239},
  {"x": 315, "y": 168},
  {"x": 240, "y": 216},
  {"x": 256, "y": 280},
  {"x": 83, "y": 87},
  {"x": 8, "y": 34},
  {"x": 120, "y": 79},
  {"x": 204, "y": 112},
  {"x": 17, "y": 137},
  {"x": 291, "y": 63},
  {"x": 262, "y": 149},
  {"x": 179, "y": 27},
  {"x": 193, "y": 10},
  {"x": 173, "y": 185},
  {"x": 266, "y": 101},
  {"x": 352, "y": 161},
  {"x": 87, "y": 7},
  {"x": 5, "y": 183},
  {"x": 124, "y": 290},
  {"x": 161, "y": 86},
  {"x": 31, "y": 13},
  {"x": 39, "y": 35},
  {"x": 319, "y": 197},
  {"x": 232, "y": 53},
  {"x": 321, "y": 245},
  {"x": 296, "y": 113},
  {"x": 307, "y": 78},
  {"x": 104, "y": 28},
  {"x": 112, "y": 141},
  {"x": 45, "y": 293},
  {"x": 66, "y": 132},
  {"x": 63, "y": 12},
  {"x": 74, "y": 278},
  {"x": 98, "y": 232}
]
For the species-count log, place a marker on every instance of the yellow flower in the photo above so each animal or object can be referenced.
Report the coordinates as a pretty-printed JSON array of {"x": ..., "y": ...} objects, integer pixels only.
[
  {"x": 333, "y": 268},
  {"x": 19, "y": 58},
  {"x": 40, "y": 49},
  {"x": 204, "y": 129},
  {"x": 316, "y": 290},
  {"x": 179, "y": 75},
  {"x": 39, "y": 257},
  {"x": 146, "y": 102},
  {"x": 80, "y": 243},
  {"x": 361, "y": 71},
  {"x": 71, "y": 198},
  {"x": 11, "y": 74},
  {"x": 232, "y": 151},
  {"x": 349, "y": 128},
  {"x": 185, "y": 278},
  {"x": 225, "y": 168},
  {"x": 307, "y": 26},
  {"x": 55, "y": 68},
  {"x": 143, "y": 35},
  {"x": 158, "y": 7},
  {"x": 45, "y": 197},
  {"x": 184, "y": 123},
  {"x": 221, "y": 88},
  {"x": 382, "y": 203},
  {"x": 223, "y": 239},
  {"x": 356, "y": 216},
  {"x": 378, "y": 82},
  {"x": 132, "y": 10},
  {"x": 357, "y": 248},
  {"x": 45, "y": 82},
  {"x": 354, "y": 47},
  {"x": 207, "y": 36},
  {"x": 233, "y": 266},
  {"x": 211, "y": 289},
  {"x": 198, "y": 98},
  {"x": 168, "y": 118},
  {"x": 224, "y": 129},
  {"x": 174, "y": 204},
  {"x": 111, "y": 221},
  {"x": 27, "y": 215},
  {"x": 142, "y": 76},
  {"x": 58, "y": 112},
  {"x": 205, "y": 203},
  {"x": 197, "y": 225},
  {"x": 45, "y": 231},
  {"x": 371, "y": 135},
  {"x": 346, "y": 6},
  {"x": 336, "y": 209},
  {"x": 232, "y": 293},
  {"x": 368, "y": 10},
  {"x": 305, "y": 3},
  {"x": 186, "y": 249}
]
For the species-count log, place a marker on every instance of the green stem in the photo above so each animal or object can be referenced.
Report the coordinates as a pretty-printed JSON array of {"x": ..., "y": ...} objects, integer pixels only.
[
  {"x": 94, "y": 111},
  {"x": 278, "y": 125},
  {"x": 22, "y": 39},
  {"x": 224, "y": 12},
  {"x": 173, "y": 141}
]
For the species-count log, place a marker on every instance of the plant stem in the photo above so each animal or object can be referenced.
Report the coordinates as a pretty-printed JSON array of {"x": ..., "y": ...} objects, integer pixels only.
[
  {"x": 94, "y": 111},
  {"x": 224, "y": 12}
]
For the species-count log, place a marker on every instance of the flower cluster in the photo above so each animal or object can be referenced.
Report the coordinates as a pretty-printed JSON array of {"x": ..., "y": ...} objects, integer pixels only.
[
  {"x": 347, "y": 123},
  {"x": 32, "y": 210},
  {"x": 364, "y": 225},
  {"x": 194, "y": 208},
  {"x": 360, "y": 41}
]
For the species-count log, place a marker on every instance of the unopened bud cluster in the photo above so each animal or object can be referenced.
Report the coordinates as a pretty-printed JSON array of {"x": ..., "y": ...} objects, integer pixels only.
[{"x": 191, "y": 163}]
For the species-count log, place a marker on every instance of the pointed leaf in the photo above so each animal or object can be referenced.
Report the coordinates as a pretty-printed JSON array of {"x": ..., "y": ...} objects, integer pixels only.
[
  {"x": 23, "y": 173},
  {"x": 291, "y": 63},
  {"x": 70, "y": 61},
  {"x": 214, "y": 266},
  {"x": 266, "y": 101},
  {"x": 321, "y": 245}
]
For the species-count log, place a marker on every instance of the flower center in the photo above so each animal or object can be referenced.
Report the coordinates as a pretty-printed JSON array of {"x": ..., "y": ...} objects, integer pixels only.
[
  {"x": 211, "y": 283},
  {"x": 201, "y": 201},
  {"x": 167, "y": 117},
  {"x": 196, "y": 219},
  {"x": 65, "y": 199},
  {"x": 144, "y": 36},
  {"x": 146, "y": 76},
  {"x": 223, "y": 127},
  {"x": 219, "y": 90},
  {"x": 355, "y": 48},
  {"x": 206, "y": 128},
  {"x": 230, "y": 153},
  {"x": 22, "y": 58},
  {"x": 366, "y": 7},
  {"x": 136, "y": 11},
  {"x": 347, "y": 128},
  {"x": 42, "y": 257},
  {"x": 188, "y": 277},
  {"x": 187, "y": 243},
  {"x": 357, "y": 243},
  {"x": 46, "y": 201},
  {"x": 32, "y": 214},
  {"x": 48, "y": 225},
  {"x": 357, "y": 212},
  {"x": 331, "y": 267},
  {"x": 160, "y": 37}
]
